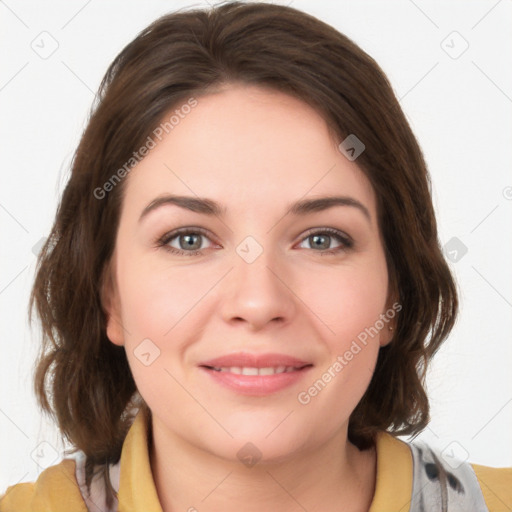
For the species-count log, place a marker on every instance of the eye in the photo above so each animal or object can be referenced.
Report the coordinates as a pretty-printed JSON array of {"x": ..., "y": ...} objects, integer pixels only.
[
  {"x": 322, "y": 238},
  {"x": 184, "y": 241},
  {"x": 189, "y": 241}
]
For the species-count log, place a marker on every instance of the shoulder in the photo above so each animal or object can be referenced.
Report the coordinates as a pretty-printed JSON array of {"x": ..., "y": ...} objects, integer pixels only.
[
  {"x": 442, "y": 479},
  {"x": 496, "y": 485},
  {"x": 55, "y": 490}
]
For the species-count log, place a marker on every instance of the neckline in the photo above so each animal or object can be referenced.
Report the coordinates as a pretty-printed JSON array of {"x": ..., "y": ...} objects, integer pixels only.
[{"x": 137, "y": 490}]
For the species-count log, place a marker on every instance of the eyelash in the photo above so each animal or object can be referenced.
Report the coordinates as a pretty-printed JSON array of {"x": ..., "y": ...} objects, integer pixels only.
[{"x": 347, "y": 242}]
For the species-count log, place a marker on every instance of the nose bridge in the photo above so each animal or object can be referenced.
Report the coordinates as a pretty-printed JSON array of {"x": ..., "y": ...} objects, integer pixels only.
[{"x": 257, "y": 293}]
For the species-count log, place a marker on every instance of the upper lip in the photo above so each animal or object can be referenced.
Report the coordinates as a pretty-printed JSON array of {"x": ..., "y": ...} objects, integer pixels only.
[{"x": 248, "y": 360}]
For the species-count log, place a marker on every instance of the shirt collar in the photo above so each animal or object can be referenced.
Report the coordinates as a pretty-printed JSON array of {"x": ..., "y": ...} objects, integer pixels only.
[
  {"x": 137, "y": 491},
  {"x": 393, "y": 486}
]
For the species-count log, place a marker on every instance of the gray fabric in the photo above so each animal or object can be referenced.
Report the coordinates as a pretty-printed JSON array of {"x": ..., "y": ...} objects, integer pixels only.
[
  {"x": 439, "y": 486},
  {"x": 95, "y": 501}
]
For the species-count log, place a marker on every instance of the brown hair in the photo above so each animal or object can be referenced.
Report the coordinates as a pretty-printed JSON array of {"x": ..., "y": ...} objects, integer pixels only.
[{"x": 83, "y": 379}]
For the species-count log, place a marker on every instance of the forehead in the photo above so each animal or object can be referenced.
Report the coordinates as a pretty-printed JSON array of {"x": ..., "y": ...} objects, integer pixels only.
[{"x": 247, "y": 146}]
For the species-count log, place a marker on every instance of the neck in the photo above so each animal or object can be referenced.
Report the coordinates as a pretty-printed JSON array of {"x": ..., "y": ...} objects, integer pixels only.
[{"x": 332, "y": 477}]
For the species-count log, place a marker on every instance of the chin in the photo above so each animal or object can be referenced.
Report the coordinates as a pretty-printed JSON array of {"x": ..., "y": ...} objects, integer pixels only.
[
  {"x": 258, "y": 451},
  {"x": 268, "y": 439}
]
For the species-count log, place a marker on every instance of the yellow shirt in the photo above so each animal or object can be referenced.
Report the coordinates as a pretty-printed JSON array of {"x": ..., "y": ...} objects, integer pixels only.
[{"x": 56, "y": 489}]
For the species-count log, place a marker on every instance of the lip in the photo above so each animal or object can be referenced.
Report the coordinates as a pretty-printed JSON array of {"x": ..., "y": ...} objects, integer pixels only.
[
  {"x": 254, "y": 360},
  {"x": 255, "y": 385}
]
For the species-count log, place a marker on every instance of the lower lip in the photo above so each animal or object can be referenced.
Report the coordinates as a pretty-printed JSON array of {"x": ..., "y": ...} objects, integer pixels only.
[{"x": 256, "y": 385}]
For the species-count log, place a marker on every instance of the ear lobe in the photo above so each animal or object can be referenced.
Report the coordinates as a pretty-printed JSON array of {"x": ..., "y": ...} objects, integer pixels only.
[
  {"x": 111, "y": 305},
  {"x": 387, "y": 334}
]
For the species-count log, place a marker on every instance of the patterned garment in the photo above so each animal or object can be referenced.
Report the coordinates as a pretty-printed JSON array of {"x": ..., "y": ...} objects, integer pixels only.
[
  {"x": 95, "y": 501},
  {"x": 439, "y": 486}
]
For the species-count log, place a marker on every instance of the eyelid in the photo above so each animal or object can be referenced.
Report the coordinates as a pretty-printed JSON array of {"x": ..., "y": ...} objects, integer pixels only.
[
  {"x": 331, "y": 231},
  {"x": 170, "y": 235}
]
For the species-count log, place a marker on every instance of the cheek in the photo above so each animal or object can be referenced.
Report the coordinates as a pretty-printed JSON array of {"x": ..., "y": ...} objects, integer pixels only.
[
  {"x": 158, "y": 305},
  {"x": 155, "y": 299},
  {"x": 343, "y": 376},
  {"x": 162, "y": 308},
  {"x": 347, "y": 300}
]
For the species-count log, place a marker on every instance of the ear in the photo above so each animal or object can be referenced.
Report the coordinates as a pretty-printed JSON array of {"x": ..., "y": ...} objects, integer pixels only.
[
  {"x": 387, "y": 333},
  {"x": 111, "y": 304},
  {"x": 391, "y": 313}
]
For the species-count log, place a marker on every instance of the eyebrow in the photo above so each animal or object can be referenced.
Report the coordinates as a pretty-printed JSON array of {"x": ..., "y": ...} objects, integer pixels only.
[{"x": 210, "y": 207}]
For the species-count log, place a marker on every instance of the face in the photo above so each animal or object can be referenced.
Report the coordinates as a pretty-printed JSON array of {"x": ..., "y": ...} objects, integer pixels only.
[{"x": 253, "y": 278}]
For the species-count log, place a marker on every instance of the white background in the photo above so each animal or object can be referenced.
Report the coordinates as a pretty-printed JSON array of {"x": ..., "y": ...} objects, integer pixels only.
[{"x": 459, "y": 108}]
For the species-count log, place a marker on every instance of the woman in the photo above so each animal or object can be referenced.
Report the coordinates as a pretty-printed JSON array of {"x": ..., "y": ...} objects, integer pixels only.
[{"x": 243, "y": 287}]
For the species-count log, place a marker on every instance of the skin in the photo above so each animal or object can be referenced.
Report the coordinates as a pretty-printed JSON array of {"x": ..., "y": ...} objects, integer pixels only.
[{"x": 255, "y": 151}]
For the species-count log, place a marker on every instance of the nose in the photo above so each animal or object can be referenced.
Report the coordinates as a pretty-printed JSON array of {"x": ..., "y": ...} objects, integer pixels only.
[{"x": 257, "y": 293}]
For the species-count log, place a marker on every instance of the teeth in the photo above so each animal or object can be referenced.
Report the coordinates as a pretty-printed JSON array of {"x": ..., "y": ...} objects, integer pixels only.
[
  {"x": 249, "y": 371},
  {"x": 256, "y": 371}
]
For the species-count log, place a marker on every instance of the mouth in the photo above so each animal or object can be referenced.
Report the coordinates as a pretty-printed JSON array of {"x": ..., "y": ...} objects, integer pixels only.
[
  {"x": 255, "y": 374},
  {"x": 248, "y": 370}
]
